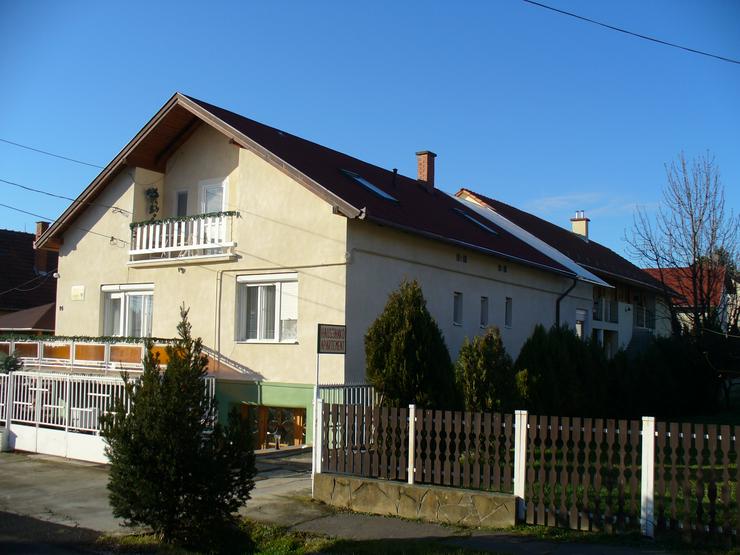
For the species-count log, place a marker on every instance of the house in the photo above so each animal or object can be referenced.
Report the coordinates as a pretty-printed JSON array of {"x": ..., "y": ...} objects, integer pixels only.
[
  {"x": 38, "y": 320},
  {"x": 716, "y": 293},
  {"x": 628, "y": 309},
  {"x": 27, "y": 279},
  {"x": 264, "y": 235}
]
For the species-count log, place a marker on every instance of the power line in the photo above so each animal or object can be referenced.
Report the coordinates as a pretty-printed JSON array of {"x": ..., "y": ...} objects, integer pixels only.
[
  {"x": 51, "y": 154},
  {"x": 111, "y": 237},
  {"x": 47, "y": 193},
  {"x": 626, "y": 32},
  {"x": 18, "y": 287}
]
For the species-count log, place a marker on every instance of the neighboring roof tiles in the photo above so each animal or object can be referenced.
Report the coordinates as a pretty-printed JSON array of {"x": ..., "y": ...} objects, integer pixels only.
[
  {"x": 680, "y": 280},
  {"x": 588, "y": 253},
  {"x": 38, "y": 318},
  {"x": 24, "y": 285}
]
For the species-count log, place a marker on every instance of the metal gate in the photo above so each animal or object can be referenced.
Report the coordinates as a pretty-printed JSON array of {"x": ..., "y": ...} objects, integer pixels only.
[{"x": 59, "y": 414}]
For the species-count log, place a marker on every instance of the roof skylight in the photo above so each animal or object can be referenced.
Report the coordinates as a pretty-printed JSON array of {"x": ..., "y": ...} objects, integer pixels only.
[
  {"x": 476, "y": 222},
  {"x": 365, "y": 183}
]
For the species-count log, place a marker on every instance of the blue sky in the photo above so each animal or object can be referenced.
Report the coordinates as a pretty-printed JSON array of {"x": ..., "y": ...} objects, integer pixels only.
[{"x": 530, "y": 107}]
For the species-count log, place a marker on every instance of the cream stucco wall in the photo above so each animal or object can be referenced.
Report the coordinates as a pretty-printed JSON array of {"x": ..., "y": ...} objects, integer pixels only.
[
  {"x": 282, "y": 228},
  {"x": 382, "y": 257}
]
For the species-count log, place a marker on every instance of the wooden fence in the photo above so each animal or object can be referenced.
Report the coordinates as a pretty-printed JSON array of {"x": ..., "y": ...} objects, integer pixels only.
[{"x": 579, "y": 473}]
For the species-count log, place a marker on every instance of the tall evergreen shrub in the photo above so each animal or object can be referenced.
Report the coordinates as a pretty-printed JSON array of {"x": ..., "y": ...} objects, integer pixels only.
[
  {"x": 558, "y": 373},
  {"x": 484, "y": 373},
  {"x": 406, "y": 356},
  {"x": 173, "y": 467}
]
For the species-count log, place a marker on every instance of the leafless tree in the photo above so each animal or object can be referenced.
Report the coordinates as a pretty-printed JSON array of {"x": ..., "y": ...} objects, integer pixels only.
[
  {"x": 692, "y": 240},
  {"x": 692, "y": 237}
]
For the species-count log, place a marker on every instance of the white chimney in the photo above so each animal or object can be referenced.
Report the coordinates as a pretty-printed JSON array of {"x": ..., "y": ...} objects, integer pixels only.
[{"x": 579, "y": 224}]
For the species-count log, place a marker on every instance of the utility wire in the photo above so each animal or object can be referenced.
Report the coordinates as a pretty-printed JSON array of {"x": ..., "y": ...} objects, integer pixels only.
[
  {"x": 47, "y": 193},
  {"x": 626, "y": 32},
  {"x": 111, "y": 237},
  {"x": 18, "y": 287},
  {"x": 51, "y": 154}
]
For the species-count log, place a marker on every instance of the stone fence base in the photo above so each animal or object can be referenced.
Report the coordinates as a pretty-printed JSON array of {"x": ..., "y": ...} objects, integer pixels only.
[{"x": 431, "y": 503}]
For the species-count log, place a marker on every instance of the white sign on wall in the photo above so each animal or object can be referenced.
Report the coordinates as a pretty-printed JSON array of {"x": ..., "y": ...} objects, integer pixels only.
[{"x": 77, "y": 293}]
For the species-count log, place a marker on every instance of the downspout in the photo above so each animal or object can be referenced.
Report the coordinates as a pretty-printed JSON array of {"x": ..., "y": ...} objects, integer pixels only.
[{"x": 560, "y": 298}]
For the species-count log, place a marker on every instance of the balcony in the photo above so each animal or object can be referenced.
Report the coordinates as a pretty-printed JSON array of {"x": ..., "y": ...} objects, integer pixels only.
[{"x": 202, "y": 236}]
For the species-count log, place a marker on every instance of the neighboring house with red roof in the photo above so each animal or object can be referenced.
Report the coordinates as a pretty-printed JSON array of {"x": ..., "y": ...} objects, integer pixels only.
[
  {"x": 27, "y": 278},
  {"x": 264, "y": 235},
  {"x": 710, "y": 293}
]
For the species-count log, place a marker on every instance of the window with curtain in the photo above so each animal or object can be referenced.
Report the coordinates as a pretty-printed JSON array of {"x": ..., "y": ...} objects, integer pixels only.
[
  {"x": 267, "y": 308},
  {"x": 127, "y": 313}
]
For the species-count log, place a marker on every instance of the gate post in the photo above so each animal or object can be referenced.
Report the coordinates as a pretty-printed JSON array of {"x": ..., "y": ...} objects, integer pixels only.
[
  {"x": 520, "y": 461},
  {"x": 412, "y": 450},
  {"x": 647, "y": 502}
]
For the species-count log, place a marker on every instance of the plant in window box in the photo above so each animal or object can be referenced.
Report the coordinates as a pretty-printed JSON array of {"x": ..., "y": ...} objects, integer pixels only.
[{"x": 152, "y": 197}]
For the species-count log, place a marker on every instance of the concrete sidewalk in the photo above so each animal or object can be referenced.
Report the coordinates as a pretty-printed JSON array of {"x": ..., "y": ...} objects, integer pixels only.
[{"x": 74, "y": 494}]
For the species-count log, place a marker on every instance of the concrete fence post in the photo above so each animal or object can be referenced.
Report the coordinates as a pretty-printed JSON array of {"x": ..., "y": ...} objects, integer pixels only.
[
  {"x": 647, "y": 501},
  {"x": 318, "y": 435},
  {"x": 520, "y": 461},
  {"x": 412, "y": 438},
  {"x": 316, "y": 454}
]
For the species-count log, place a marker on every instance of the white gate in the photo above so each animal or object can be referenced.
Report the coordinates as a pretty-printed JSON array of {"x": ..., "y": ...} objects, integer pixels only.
[{"x": 59, "y": 414}]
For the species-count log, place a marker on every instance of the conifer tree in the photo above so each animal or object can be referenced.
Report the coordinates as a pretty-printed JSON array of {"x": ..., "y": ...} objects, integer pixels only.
[
  {"x": 406, "y": 356},
  {"x": 484, "y": 374},
  {"x": 174, "y": 468}
]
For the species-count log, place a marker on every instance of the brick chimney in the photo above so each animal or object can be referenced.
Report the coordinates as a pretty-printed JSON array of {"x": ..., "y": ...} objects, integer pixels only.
[
  {"x": 579, "y": 224},
  {"x": 425, "y": 168},
  {"x": 41, "y": 257}
]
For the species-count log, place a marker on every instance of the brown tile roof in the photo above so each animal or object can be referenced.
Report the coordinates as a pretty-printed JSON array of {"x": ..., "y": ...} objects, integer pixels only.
[
  {"x": 21, "y": 286},
  {"x": 38, "y": 318},
  {"x": 417, "y": 210},
  {"x": 679, "y": 279},
  {"x": 593, "y": 256}
]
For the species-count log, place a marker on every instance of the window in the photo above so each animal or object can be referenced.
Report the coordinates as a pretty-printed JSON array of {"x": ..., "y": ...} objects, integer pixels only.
[
  {"x": 127, "y": 310},
  {"x": 508, "y": 312},
  {"x": 581, "y": 323},
  {"x": 457, "y": 308},
  {"x": 211, "y": 197},
  {"x": 267, "y": 308},
  {"x": 484, "y": 312},
  {"x": 182, "y": 204},
  {"x": 467, "y": 216},
  {"x": 365, "y": 183}
]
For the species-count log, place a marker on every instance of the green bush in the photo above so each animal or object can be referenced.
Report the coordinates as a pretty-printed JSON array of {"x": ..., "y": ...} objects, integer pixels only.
[
  {"x": 484, "y": 373},
  {"x": 559, "y": 373},
  {"x": 406, "y": 356},
  {"x": 172, "y": 467},
  {"x": 10, "y": 363}
]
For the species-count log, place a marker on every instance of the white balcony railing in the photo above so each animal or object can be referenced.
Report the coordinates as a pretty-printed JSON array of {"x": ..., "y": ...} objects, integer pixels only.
[{"x": 202, "y": 235}]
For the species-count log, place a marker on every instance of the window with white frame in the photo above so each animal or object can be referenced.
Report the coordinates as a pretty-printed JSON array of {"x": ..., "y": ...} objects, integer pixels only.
[
  {"x": 127, "y": 310},
  {"x": 267, "y": 308},
  {"x": 457, "y": 308},
  {"x": 508, "y": 312},
  {"x": 484, "y": 312}
]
